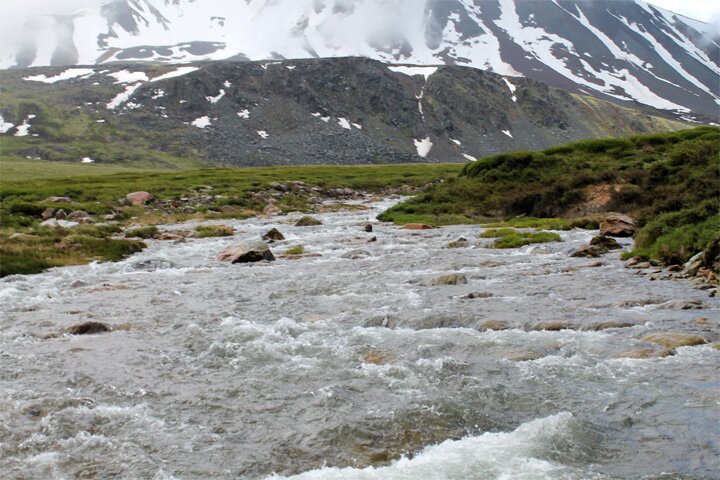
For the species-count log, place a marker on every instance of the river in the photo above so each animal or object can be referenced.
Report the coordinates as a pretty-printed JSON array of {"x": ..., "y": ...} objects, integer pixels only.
[{"x": 344, "y": 364}]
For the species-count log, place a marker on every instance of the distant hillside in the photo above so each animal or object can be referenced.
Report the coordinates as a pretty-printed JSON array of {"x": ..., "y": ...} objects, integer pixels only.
[{"x": 325, "y": 111}]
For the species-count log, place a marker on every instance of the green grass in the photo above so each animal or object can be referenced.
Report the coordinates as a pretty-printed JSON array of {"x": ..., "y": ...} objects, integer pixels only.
[
  {"x": 296, "y": 250},
  {"x": 511, "y": 238},
  {"x": 670, "y": 183},
  {"x": 142, "y": 232},
  {"x": 205, "y": 231}
]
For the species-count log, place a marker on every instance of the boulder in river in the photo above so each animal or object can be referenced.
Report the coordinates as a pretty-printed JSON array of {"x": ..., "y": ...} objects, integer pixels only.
[
  {"x": 610, "y": 324},
  {"x": 272, "y": 235},
  {"x": 617, "y": 225},
  {"x": 642, "y": 353},
  {"x": 589, "y": 251},
  {"x": 139, "y": 198},
  {"x": 608, "y": 243},
  {"x": 368, "y": 227},
  {"x": 307, "y": 222},
  {"x": 493, "y": 325},
  {"x": 247, "y": 251},
  {"x": 450, "y": 279},
  {"x": 88, "y": 328},
  {"x": 673, "y": 340},
  {"x": 553, "y": 326}
]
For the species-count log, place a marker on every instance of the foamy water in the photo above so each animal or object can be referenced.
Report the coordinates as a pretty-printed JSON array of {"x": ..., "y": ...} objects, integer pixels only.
[{"x": 343, "y": 365}]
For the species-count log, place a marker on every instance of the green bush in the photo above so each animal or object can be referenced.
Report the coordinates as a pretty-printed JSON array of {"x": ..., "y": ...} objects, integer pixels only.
[{"x": 142, "y": 232}]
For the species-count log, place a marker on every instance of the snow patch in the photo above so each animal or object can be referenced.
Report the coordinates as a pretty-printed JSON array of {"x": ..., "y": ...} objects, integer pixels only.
[
  {"x": 423, "y": 146},
  {"x": 87, "y": 160},
  {"x": 316, "y": 114},
  {"x": 175, "y": 73},
  {"x": 66, "y": 75},
  {"x": 123, "y": 97},
  {"x": 344, "y": 123},
  {"x": 23, "y": 130},
  {"x": 357, "y": 125},
  {"x": 456, "y": 142},
  {"x": 512, "y": 89},
  {"x": 290, "y": 67},
  {"x": 125, "y": 76},
  {"x": 263, "y": 134},
  {"x": 159, "y": 93},
  {"x": 201, "y": 122},
  {"x": 507, "y": 132},
  {"x": 227, "y": 84},
  {"x": 216, "y": 98},
  {"x": 325, "y": 119},
  {"x": 244, "y": 113},
  {"x": 5, "y": 126},
  {"x": 407, "y": 70},
  {"x": 469, "y": 157},
  {"x": 100, "y": 121}
]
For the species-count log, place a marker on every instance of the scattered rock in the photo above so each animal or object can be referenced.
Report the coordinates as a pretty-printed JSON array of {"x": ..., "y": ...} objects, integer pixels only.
[
  {"x": 61, "y": 214},
  {"x": 589, "y": 251},
  {"x": 75, "y": 214},
  {"x": 48, "y": 213},
  {"x": 271, "y": 209},
  {"x": 54, "y": 223},
  {"x": 672, "y": 340},
  {"x": 552, "y": 326},
  {"x": 692, "y": 266},
  {"x": 473, "y": 295},
  {"x": 247, "y": 251},
  {"x": 139, "y": 198},
  {"x": 522, "y": 355},
  {"x": 307, "y": 222},
  {"x": 459, "y": 243},
  {"x": 372, "y": 239},
  {"x": 493, "y": 325},
  {"x": 88, "y": 328},
  {"x": 641, "y": 353},
  {"x": 273, "y": 235},
  {"x": 681, "y": 305},
  {"x": 610, "y": 324},
  {"x": 150, "y": 265},
  {"x": 368, "y": 227},
  {"x": 606, "y": 242},
  {"x": 640, "y": 265},
  {"x": 417, "y": 226},
  {"x": 450, "y": 279},
  {"x": 617, "y": 225},
  {"x": 592, "y": 265},
  {"x": 229, "y": 210},
  {"x": 57, "y": 200}
]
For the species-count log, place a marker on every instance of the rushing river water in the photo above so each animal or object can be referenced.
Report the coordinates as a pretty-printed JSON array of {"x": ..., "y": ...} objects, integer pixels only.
[{"x": 345, "y": 365}]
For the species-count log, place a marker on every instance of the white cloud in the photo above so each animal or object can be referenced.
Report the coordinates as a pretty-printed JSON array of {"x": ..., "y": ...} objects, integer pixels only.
[{"x": 707, "y": 11}]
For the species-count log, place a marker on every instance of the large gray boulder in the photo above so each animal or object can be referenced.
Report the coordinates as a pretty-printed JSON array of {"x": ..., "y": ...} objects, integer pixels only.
[{"x": 247, "y": 251}]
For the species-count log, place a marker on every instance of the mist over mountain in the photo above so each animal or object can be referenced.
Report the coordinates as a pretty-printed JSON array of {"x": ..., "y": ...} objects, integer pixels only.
[{"x": 624, "y": 50}]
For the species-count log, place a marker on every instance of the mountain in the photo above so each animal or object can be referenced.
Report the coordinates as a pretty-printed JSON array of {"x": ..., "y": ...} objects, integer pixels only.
[
  {"x": 624, "y": 50},
  {"x": 313, "y": 111}
]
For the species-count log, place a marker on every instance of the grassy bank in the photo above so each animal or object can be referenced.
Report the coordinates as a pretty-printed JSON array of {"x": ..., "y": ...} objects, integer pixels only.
[
  {"x": 669, "y": 182},
  {"x": 26, "y": 247}
]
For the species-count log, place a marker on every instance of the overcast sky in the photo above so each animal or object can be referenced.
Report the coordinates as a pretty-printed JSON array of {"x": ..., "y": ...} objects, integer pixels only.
[{"x": 13, "y": 10}]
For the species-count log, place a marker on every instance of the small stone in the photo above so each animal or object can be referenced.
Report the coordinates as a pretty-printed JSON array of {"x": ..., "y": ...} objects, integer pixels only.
[
  {"x": 493, "y": 325},
  {"x": 450, "y": 279},
  {"x": 368, "y": 227},
  {"x": 139, "y": 198},
  {"x": 247, "y": 251},
  {"x": 372, "y": 239},
  {"x": 610, "y": 324},
  {"x": 473, "y": 295},
  {"x": 61, "y": 214},
  {"x": 48, "y": 213},
  {"x": 307, "y": 222},
  {"x": 88, "y": 328},
  {"x": 273, "y": 235},
  {"x": 673, "y": 340},
  {"x": 552, "y": 326}
]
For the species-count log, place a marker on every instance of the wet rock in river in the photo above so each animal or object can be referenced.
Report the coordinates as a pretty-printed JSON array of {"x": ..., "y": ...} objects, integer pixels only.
[
  {"x": 493, "y": 325},
  {"x": 368, "y": 227},
  {"x": 450, "y": 279},
  {"x": 307, "y": 222},
  {"x": 617, "y": 225},
  {"x": 681, "y": 305},
  {"x": 589, "y": 251},
  {"x": 522, "y": 355},
  {"x": 610, "y": 324},
  {"x": 150, "y": 265},
  {"x": 553, "y": 326},
  {"x": 273, "y": 235},
  {"x": 247, "y": 251},
  {"x": 139, "y": 198},
  {"x": 672, "y": 340},
  {"x": 88, "y": 328},
  {"x": 473, "y": 295},
  {"x": 605, "y": 242},
  {"x": 641, "y": 353}
]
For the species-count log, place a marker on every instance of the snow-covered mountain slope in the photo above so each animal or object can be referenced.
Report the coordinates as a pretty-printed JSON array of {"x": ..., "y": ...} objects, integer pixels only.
[{"x": 624, "y": 49}]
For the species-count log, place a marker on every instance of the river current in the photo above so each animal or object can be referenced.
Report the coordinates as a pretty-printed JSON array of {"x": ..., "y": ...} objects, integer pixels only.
[{"x": 345, "y": 364}]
